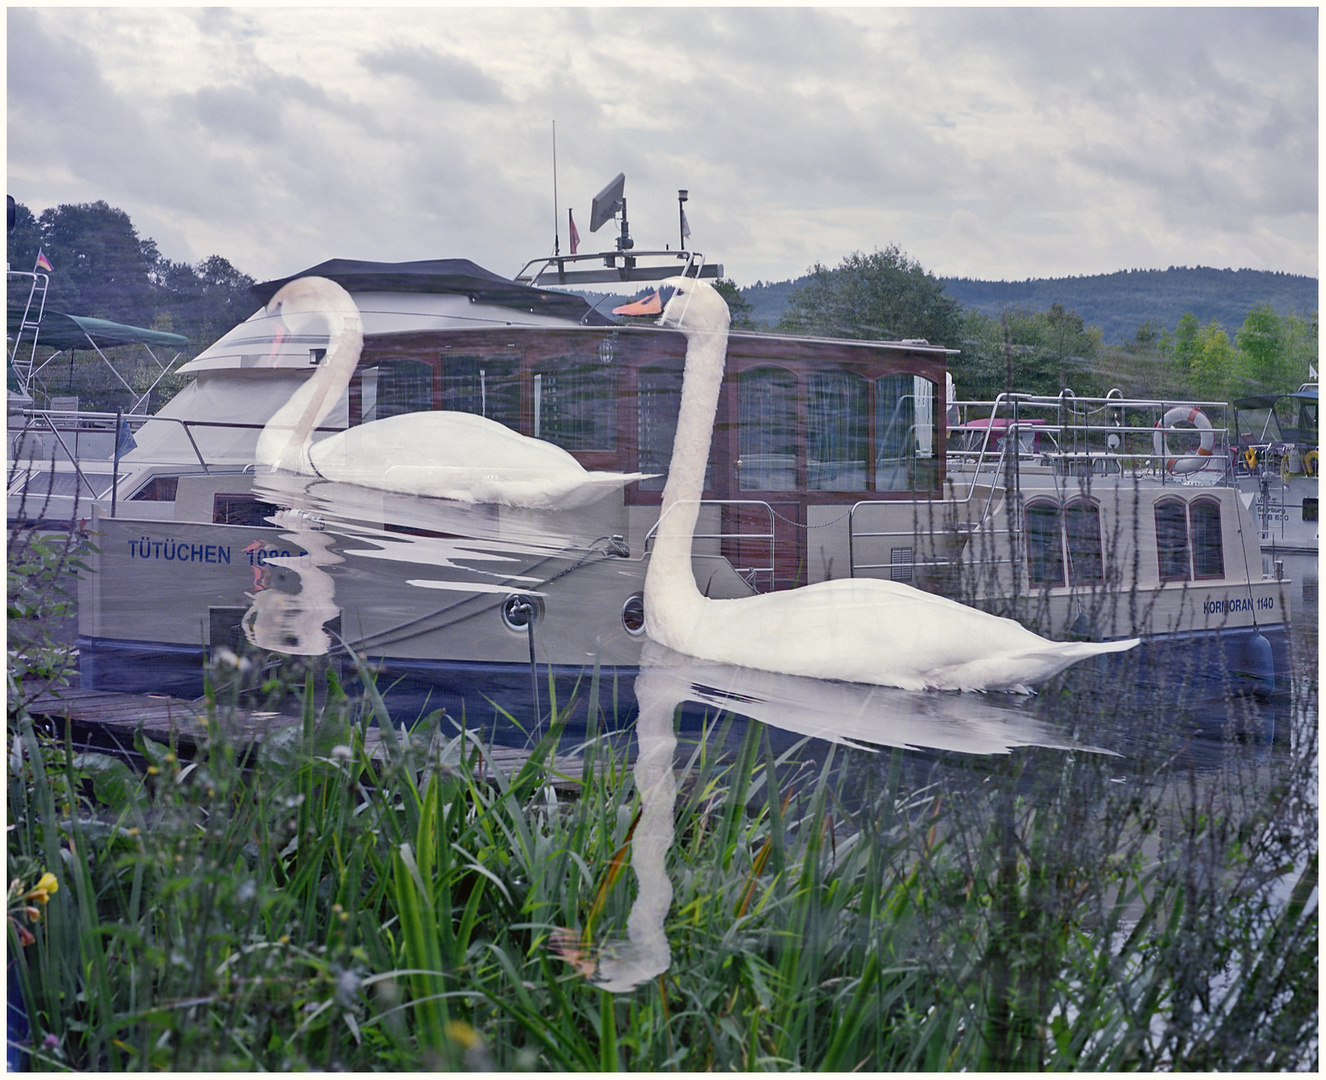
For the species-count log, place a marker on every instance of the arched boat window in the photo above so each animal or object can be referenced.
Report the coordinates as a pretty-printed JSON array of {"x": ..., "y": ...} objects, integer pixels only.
[
  {"x": 769, "y": 430},
  {"x": 837, "y": 431},
  {"x": 1172, "y": 540},
  {"x": 486, "y": 385},
  {"x": 394, "y": 386},
  {"x": 906, "y": 450},
  {"x": 575, "y": 402},
  {"x": 1086, "y": 559},
  {"x": 1208, "y": 552},
  {"x": 658, "y": 400},
  {"x": 1045, "y": 552}
]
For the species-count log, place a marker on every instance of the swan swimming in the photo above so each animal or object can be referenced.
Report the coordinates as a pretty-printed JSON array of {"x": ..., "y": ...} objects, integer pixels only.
[
  {"x": 450, "y": 455},
  {"x": 862, "y": 630}
]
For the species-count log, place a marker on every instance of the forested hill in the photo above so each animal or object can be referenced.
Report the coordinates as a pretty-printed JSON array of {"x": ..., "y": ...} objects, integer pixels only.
[{"x": 1116, "y": 303}]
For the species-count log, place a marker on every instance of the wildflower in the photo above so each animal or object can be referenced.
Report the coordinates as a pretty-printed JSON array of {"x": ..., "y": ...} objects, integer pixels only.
[
  {"x": 41, "y": 892},
  {"x": 52, "y": 1041},
  {"x": 340, "y": 752},
  {"x": 461, "y": 1032}
]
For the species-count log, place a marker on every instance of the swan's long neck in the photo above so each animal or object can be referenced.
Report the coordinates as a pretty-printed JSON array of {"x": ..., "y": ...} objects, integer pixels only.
[
  {"x": 285, "y": 439},
  {"x": 670, "y": 583}
]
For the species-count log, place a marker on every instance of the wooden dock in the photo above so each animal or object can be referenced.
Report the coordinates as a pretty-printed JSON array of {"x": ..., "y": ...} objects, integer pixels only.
[{"x": 109, "y": 722}]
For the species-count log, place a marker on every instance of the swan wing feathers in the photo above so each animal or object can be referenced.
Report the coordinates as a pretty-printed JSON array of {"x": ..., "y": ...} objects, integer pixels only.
[
  {"x": 461, "y": 456},
  {"x": 880, "y": 632}
]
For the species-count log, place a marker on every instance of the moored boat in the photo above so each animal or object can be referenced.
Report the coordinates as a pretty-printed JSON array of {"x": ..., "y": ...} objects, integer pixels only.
[
  {"x": 830, "y": 459},
  {"x": 1277, "y": 462}
]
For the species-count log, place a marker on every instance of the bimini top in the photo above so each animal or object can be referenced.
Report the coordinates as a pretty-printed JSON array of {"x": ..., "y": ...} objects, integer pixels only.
[
  {"x": 63, "y": 331},
  {"x": 455, "y": 276},
  {"x": 1306, "y": 392}
]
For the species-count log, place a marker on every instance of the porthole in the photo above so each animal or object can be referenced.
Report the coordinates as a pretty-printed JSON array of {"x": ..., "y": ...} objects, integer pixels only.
[
  {"x": 633, "y": 615},
  {"x": 520, "y": 609}
]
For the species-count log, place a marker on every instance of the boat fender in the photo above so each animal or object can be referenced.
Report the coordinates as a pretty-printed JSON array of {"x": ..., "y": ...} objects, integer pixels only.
[
  {"x": 1259, "y": 665},
  {"x": 1310, "y": 463},
  {"x": 1184, "y": 463},
  {"x": 1250, "y": 458}
]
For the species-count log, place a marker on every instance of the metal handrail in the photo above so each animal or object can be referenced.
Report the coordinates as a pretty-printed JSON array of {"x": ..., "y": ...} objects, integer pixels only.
[
  {"x": 614, "y": 266},
  {"x": 721, "y": 536}
]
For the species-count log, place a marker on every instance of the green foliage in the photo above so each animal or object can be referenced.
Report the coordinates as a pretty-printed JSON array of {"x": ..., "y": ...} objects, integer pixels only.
[
  {"x": 1212, "y": 370},
  {"x": 737, "y": 305},
  {"x": 102, "y": 268},
  {"x": 1274, "y": 351},
  {"x": 1027, "y": 352},
  {"x": 38, "y": 595},
  {"x": 883, "y": 295},
  {"x": 320, "y": 906}
]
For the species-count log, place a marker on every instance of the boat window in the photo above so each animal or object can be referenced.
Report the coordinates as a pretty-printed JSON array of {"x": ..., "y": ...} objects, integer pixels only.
[
  {"x": 1045, "y": 553},
  {"x": 905, "y": 444},
  {"x": 1172, "y": 540},
  {"x": 575, "y": 403},
  {"x": 769, "y": 430},
  {"x": 1208, "y": 553},
  {"x": 393, "y": 387},
  {"x": 158, "y": 489},
  {"x": 241, "y": 509},
  {"x": 658, "y": 400},
  {"x": 837, "y": 431},
  {"x": 1086, "y": 560},
  {"x": 484, "y": 385}
]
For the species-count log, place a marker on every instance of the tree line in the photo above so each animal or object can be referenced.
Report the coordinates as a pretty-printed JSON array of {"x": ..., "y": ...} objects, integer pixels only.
[
  {"x": 102, "y": 268},
  {"x": 886, "y": 295}
]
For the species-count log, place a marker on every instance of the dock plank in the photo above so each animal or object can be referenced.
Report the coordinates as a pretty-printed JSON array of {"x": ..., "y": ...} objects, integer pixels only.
[{"x": 105, "y": 718}]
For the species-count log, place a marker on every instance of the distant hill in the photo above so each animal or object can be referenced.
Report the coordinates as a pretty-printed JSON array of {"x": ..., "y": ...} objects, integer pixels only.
[{"x": 1117, "y": 303}]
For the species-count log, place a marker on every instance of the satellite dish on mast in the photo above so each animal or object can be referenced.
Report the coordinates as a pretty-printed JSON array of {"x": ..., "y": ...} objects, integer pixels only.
[{"x": 607, "y": 202}]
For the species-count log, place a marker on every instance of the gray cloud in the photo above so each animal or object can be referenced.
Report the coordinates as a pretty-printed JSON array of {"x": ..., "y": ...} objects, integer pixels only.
[{"x": 988, "y": 142}]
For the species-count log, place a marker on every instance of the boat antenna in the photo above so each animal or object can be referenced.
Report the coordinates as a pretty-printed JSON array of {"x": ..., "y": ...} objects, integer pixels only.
[{"x": 557, "y": 239}]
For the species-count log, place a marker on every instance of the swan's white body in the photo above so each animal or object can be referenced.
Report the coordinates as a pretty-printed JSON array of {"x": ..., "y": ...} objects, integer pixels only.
[
  {"x": 449, "y": 455},
  {"x": 858, "y": 630}
]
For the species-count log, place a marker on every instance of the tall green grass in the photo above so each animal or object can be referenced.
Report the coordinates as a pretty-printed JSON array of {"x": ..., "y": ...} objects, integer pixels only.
[{"x": 309, "y": 905}]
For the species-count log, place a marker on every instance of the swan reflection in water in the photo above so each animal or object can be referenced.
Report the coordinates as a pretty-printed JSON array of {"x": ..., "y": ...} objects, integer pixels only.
[
  {"x": 852, "y": 714},
  {"x": 295, "y": 623}
]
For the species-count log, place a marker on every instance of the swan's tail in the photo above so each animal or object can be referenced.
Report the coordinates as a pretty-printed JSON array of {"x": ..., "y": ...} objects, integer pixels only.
[{"x": 1019, "y": 671}]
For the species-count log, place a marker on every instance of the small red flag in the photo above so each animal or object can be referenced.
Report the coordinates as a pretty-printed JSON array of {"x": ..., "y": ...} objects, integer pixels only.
[
  {"x": 575, "y": 236},
  {"x": 43, "y": 263}
]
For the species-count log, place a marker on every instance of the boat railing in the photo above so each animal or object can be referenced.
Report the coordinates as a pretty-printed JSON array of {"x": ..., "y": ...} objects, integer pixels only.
[
  {"x": 904, "y": 563},
  {"x": 613, "y": 267},
  {"x": 754, "y": 576},
  {"x": 1079, "y": 436},
  {"x": 63, "y": 423}
]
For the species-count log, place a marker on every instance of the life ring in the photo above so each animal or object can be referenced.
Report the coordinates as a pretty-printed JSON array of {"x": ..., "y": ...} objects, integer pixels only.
[
  {"x": 1184, "y": 463},
  {"x": 1310, "y": 463}
]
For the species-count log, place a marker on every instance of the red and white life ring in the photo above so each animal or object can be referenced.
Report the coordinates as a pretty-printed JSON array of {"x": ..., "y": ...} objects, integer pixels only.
[{"x": 1184, "y": 463}]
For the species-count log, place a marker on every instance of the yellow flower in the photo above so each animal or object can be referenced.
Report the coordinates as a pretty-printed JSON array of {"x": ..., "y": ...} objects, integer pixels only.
[
  {"x": 41, "y": 892},
  {"x": 461, "y": 1032}
]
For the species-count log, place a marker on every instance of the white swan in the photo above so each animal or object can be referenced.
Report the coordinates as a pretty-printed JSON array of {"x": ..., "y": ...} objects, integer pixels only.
[
  {"x": 854, "y": 629},
  {"x": 451, "y": 455}
]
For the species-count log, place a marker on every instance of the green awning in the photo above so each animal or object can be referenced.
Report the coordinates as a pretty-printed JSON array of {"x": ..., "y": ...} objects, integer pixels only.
[{"x": 61, "y": 331}]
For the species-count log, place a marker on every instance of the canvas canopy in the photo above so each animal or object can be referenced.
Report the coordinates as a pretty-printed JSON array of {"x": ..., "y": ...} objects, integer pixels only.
[
  {"x": 459, "y": 276},
  {"x": 61, "y": 331}
]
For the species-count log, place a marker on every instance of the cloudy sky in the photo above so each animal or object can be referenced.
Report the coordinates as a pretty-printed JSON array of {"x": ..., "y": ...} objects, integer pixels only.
[{"x": 996, "y": 143}]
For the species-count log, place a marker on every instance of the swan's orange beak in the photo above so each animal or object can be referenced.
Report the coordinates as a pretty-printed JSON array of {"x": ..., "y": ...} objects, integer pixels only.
[
  {"x": 278, "y": 335},
  {"x": 648, "y": 305}
]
